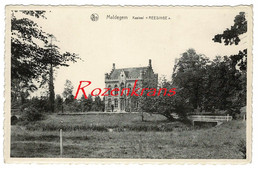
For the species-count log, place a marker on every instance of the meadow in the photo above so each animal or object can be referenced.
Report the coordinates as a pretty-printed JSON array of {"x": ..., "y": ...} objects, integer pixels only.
[{"x": 126, "y": 136}]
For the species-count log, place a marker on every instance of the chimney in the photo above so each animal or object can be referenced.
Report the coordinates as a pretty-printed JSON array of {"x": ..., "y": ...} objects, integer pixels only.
[
  {"x": 150, "y": 63},
  {"x": 114, "y": 66}
]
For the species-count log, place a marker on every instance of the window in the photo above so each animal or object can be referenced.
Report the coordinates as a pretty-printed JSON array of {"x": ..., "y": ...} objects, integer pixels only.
[
  {"x": 116, "y": 92},
  {"x": 130, "y": 87},
  {"x": 109, "y": 91},
  {"x": 122, "y": 85},
  {"x": 116, "y": 103}
]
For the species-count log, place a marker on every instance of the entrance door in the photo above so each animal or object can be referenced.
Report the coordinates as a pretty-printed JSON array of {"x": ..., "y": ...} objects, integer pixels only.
[
  {"x": 109, "y": 105},
  {"x": 122, "y": 105}
]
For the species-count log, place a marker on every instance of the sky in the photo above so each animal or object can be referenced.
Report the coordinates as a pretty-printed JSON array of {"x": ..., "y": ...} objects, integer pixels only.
[{"x": 131, "y": 43}]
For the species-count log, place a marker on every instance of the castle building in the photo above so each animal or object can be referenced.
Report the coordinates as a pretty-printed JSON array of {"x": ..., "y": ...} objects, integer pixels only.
[{"x": 125, "y": 78}]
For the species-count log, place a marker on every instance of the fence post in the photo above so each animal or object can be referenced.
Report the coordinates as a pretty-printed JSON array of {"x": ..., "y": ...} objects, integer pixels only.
[{"x": 61, "y": 144}]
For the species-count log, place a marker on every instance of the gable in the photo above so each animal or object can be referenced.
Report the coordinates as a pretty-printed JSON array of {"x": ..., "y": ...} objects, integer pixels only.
[{"x": 133, "y": 72}]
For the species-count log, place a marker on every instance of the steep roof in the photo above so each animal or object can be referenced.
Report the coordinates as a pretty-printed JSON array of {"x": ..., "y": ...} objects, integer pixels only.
[{"x": 133, "y": 72}]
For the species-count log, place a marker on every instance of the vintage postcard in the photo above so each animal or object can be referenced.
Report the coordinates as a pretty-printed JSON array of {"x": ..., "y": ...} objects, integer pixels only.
[{"x": 119, "y": 84}]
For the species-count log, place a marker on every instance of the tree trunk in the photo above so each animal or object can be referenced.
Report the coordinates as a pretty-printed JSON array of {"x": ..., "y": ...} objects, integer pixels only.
[
  {"x": 51, "y": 90},
  {"x": 169, "y": 117}
]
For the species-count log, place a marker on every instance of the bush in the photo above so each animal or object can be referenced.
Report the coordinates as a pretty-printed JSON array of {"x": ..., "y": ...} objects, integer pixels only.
[
  {"x": 73, "y": 106},
  {"x": 31, "y": 114},
  {"x": 40, "y": 104}
]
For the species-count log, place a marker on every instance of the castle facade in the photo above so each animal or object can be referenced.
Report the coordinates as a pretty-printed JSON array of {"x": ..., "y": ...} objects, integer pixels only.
[{"x": 125, "y": 78}]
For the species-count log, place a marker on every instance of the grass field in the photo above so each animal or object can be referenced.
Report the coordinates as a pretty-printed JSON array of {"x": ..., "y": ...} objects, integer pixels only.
[{"x": 125, "y": 136}]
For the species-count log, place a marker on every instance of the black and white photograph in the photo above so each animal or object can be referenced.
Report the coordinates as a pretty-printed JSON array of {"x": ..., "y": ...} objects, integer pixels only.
[{"x": 133, "y": 83}]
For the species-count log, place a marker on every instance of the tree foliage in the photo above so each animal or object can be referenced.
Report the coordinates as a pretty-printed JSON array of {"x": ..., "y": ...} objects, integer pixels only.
[
  {"x": 27, "y": 56},
  {"x": 33, "y": 56},
  {"x": 189, "y": 74},
  {"x": 86, "y": 104},
  {"x": 210, "y": 85},
  {"x": 58, "y": 103},
  {"x": 164, "y": 103},
  {"x": 67, "y": 92},
  {"x": 98, "y": 104},
  {"x": 225, "y": 88},
  {"x": 232, "y": 37}
]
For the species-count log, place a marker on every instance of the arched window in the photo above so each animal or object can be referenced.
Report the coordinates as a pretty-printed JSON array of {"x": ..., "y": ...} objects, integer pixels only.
[
  {"x": 122, "y": 85},
  {"x": 109, "y": 91},
  {"x": 116, "y": 92},
  {"x": 116, "y": 103},
  {"x": 130, "y": 87}
]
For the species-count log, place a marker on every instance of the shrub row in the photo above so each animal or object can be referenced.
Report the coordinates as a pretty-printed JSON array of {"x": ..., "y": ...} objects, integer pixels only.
[{"x": 140, "y": 127}]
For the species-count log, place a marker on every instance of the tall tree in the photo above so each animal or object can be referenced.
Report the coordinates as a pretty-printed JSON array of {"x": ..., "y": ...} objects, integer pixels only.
[
  {"x": 165, "y": 103},
  {"x": 67, "y": 92},
  {"x": 222, "y": 83},
  {"x": 189, "y": 74},
  {"x": 98, "y": 104},
  {"x": 25, "y": 52},
  {"x": 31, "y": 58},
  {"x": 86, "y": 104},
  {"x": 232, "y": 36}
]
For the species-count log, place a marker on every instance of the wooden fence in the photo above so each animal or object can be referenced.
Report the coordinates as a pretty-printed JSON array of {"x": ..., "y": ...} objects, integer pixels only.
[{"x": 209, "y": 118}]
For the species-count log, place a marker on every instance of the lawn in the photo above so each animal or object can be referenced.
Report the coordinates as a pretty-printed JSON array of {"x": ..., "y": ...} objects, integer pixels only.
[{"x": 126, "y": 136}]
